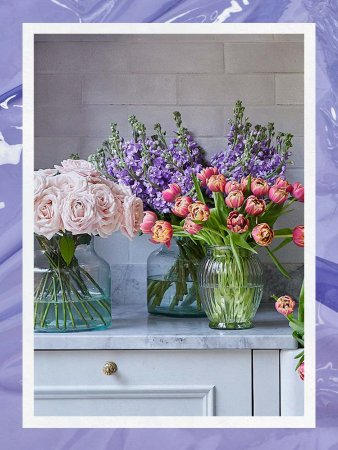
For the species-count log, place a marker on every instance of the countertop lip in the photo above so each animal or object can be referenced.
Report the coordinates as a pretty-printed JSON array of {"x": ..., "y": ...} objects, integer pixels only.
[{"x": 134, "y": 329}]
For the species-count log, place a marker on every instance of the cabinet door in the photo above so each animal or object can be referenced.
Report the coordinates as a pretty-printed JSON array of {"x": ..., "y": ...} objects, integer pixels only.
[{"x": 147, "y": 383}]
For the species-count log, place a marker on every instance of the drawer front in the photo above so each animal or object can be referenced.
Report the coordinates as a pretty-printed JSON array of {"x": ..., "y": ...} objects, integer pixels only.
[{"x": 147, "y": 382}]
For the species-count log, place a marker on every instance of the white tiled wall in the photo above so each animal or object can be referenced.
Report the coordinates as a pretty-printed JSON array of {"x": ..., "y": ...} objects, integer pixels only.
[{"x": 85, "y": 82}]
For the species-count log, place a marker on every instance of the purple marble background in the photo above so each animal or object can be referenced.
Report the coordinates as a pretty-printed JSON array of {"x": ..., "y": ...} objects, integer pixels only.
[{"x": 325, "y": 14}]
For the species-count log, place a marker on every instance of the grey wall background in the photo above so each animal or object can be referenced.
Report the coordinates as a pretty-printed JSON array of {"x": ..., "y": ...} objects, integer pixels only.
[{"x": 84, "y": 82}]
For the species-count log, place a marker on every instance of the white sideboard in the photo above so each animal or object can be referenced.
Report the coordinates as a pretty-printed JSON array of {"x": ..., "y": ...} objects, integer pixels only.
[{"x": 169, "y": 367}]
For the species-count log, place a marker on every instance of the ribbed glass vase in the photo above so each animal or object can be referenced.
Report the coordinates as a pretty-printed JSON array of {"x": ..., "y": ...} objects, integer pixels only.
[{"x": 231, "y": 290}]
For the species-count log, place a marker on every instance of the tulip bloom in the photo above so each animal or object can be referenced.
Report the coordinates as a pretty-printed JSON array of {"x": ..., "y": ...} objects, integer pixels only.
[
  {"x": 162, "y": 233},
  {"x": 298, "y": 235},
  {"x": 263, "y": 234},
  {"x": 235, "y": 199},
  {"x": 300, "y": 371},
  {"x": 278, "y": 195},
  {"x": 298, "y": 192},
  {"x": 199, "y": 211},
  {"x": 283, "y": 184},
  {"x": 216, "y": 183},
  {"x": 237, "y": 223},
  {"x": 206, "y": 173},
  {"x": 191, "y": 227},
  {"x": 171, "y": 193},
  {"x": 285, "y": 305},
  {"x": 259, "y": 187},
  {"x": 244, "y": 183},
  {"x": 233, "y": 186},
  {"x": 254, "y": 206},
  {"x": 148, "y": 222},
  {"x": 181, "y": 208}
]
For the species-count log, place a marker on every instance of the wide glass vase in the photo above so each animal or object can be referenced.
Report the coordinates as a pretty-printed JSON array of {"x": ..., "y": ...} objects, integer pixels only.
[
  {"x": 231, "y": 289},
  {"x": 172, "y": 279},
  {"x": 74, "y": 296}
]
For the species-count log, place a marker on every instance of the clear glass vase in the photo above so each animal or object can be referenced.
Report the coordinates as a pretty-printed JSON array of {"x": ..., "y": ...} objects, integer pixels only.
[
  {"x": 231, "y": 290},
  {"x": 74, "y": 297},
  {"x": 172, "y": 281}
]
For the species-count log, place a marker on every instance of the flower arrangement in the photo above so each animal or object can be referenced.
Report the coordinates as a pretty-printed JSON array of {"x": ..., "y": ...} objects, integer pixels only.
[
  {"x": 163, "y": 173},
  {"x": 240, "y": 216},
  {"x": 285, "y": 305},
  {"x": 73, "y": 202}
]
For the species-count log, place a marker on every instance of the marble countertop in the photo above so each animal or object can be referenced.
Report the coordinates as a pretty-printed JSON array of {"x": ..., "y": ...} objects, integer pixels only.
[{"x": 134, "y": 328}]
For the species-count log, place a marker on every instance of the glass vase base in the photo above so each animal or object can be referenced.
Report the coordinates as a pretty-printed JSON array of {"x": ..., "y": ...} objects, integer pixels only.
[
  {"x": 231, "y": 325},
  {"x": 52, "y": 328},
  {"x": 73, "y": 316},
  {"x": 176, "y": 313}
]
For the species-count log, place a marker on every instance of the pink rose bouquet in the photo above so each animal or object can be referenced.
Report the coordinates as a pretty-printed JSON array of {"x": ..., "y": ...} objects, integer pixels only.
[{"x": 72, "y": 203}]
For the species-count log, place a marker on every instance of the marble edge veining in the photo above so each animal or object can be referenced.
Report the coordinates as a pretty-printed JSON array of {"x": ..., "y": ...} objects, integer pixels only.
[{"x": 134, "y": 329}]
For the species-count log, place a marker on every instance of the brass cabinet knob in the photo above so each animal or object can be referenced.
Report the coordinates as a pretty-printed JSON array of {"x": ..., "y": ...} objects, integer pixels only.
[{"x": 109, "y": 368}]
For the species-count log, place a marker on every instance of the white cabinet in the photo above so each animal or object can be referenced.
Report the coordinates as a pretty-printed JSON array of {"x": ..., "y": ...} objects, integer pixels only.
[
  {"x": 169, "y": 368},
  {"x": 147, "y": 382}
]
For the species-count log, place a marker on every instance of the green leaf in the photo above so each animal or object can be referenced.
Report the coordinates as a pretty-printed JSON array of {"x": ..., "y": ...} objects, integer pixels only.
[
  {"x": 282, "y": 244},
  {"x": 198, "y": 189},
  {"x": 67, "y": 248},
  {"x": 220, "y": 206},
  {"x": 301, "y": 304},
  {"x": 240, "y": 241},
  {"x": 283, "y": 232},
  {"x": 235, "y": 252},
  {"x": 277, "y": 263},
  {"x": 296, "y": 325}
]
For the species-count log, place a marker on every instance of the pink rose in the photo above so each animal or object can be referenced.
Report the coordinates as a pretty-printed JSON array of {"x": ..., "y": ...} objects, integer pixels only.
[
  {"x": 132, "y": 216},
  {"x": 78, "y": 212},
  {"x": 80, "y": 166},
  {"x": 48, "y": 172},
  {"x": 108, "y": 209},
  {"x": 69, "y": 182},
  {"x": 47, "y": 218},
  {"x": 41, "y": 183}
]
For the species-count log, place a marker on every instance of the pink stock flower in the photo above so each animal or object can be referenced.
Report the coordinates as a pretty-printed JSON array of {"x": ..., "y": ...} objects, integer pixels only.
[
  {"x": 278, "y": 195},
  {"x": 206, "y": 173},
  {"x": 162, "y": 233},
  {"x": 148, "y": 222},
  {"x": 171, "y": 193},
  {"x": 181, "y": 207},
  {"x": 47, "y": 218},
  {"x": 285, "y": 305},
  {"x": 298, "y": 192},
  {"x": 216, "y": 183},
  {"x": 235, "y": 199},
  {"x": 300, "y": 371},
  {"x": 199, "y": 211},
  {"x": 254, "y": 206},
  {"x": 263, "y": 234},
  {"x": 132, "y": 216},
  {"x": 283, "y": 184},
  {"x": 191, "y": 227},
  {"x": 298, "y": 235},
  {"x": 80, "y": 166},
  {"x": 237, "y": 223},
  {"x": 233, "y": 186},
  {"x": 259, "y": 187}
]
